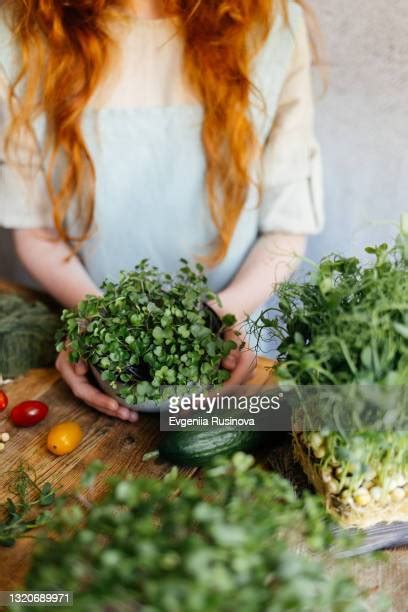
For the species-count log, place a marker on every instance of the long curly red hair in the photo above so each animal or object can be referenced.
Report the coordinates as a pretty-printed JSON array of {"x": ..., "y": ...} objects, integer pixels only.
[{"x": 66, "y": 46}]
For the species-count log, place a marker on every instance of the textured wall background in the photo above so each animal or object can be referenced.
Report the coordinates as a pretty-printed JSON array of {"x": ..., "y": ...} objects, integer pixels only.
[
  {"x": 363, "y": 121},
  {"x": 362, "y": 125}
]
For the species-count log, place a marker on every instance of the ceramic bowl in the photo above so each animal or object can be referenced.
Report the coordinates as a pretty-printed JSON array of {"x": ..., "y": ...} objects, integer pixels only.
[{"x": 147, "y": 406}]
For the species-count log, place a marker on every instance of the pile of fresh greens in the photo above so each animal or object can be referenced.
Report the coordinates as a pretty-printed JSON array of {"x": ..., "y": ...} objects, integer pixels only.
[
  {"x": 27, "y": 332},
  {"x": 148, "y": 331},
  {"x": 347, "y": 327},
  {"x": 178, "y": 545},
  {"x": 347, "y": 323}
]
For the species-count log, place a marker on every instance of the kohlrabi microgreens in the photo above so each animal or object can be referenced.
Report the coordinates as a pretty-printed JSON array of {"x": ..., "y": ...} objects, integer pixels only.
[{"x": 150, "y": 330}]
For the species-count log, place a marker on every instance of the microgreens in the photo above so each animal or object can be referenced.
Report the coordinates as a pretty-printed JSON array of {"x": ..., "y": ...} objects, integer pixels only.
[
  {"x": 150, "y": 330},
  {"x": 347, "y": 326},
  {"x": 221, "y": 543}
]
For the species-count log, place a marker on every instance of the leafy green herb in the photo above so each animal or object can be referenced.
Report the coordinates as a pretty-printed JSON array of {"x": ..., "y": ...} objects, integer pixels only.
[
  {"x": 148, "y": 331},
  {"x": 26, "y": 511},
  {"x": 176, "y": 545}
]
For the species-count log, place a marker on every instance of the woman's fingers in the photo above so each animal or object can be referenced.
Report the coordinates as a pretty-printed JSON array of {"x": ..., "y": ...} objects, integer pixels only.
[
  {"x": 127, "y": 415},
  {"x": 80, "y": 368},
  {"x": 96, "y": 399},
  {"x": 83, "y": 390},
  {"x": 241, "y": 362},
  {"x": 244, "y": 369},
  {"x": 230, "y": 362}
]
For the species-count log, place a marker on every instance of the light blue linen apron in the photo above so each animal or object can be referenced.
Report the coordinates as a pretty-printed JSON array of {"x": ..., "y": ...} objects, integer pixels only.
[{"x": 151, "y": 200}]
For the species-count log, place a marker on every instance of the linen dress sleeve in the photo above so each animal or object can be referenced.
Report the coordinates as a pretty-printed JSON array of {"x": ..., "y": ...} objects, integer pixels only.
[
  {"x": 24, "y": 197},
  {"x": 292, "y": 195}
]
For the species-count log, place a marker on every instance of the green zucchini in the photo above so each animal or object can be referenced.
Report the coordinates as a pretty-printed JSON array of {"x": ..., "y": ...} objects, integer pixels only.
[{"x": 200, "y": 447}]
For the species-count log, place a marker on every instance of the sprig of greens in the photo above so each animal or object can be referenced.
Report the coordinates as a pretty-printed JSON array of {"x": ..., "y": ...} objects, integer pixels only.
[
  {"x": 150, "y": 330},
  {"x": 27, "y": 511}
]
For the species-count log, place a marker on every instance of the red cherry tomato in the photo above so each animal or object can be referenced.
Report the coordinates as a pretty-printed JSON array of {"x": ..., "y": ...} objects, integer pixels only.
[
  {"x": 3, "y": 401},
  {"x": 28, "y": 413}
]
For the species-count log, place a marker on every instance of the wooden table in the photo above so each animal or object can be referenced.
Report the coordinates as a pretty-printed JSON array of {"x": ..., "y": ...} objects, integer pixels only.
[{"x": 121, "y": 447}]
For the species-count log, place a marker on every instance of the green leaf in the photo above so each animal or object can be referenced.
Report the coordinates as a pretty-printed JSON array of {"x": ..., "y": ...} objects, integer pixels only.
[
  {"x": 200, "y": 331},
  {"x": 158, "y": 333},
  {"x": 105, "y": 362},
  {"x": 11, "y": 509},
  {"x": 211, "y": 348},
  {"x": 92, "y": 470},
  {"x": 47, "y": 496},
  {"x": 402, "y": 330},
  {"x": 229, "y": 320},
  {"x": 366, "y": 357}
]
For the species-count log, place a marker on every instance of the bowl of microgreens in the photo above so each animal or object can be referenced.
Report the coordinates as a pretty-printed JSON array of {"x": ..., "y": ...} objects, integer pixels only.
[
  {"x": 149, "y": 336},
  {"x": 343, "y": 334}
]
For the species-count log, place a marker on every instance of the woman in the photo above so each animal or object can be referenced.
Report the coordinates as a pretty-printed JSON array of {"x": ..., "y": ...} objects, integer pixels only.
[{"x": 158, "y": 129}]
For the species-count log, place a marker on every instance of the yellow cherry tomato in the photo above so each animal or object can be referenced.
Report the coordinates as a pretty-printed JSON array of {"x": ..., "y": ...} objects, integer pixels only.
[{"x": 64, "y": 438}]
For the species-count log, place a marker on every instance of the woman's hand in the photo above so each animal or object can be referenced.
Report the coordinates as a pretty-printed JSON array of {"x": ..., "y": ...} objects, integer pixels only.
[
  {"x": 74, "y": 375},
  {"x": 68, "y": 282},
  {"x": 241, "y": 361},
  {"x": 271, "y": 261}
]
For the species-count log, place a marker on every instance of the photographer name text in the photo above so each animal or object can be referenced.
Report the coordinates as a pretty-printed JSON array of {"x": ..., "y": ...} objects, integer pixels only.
[{"x": 202, "y": 409}]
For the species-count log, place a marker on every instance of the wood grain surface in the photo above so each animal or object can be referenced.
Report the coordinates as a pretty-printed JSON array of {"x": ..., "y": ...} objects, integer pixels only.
[{"x": 121, "y": 447}]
